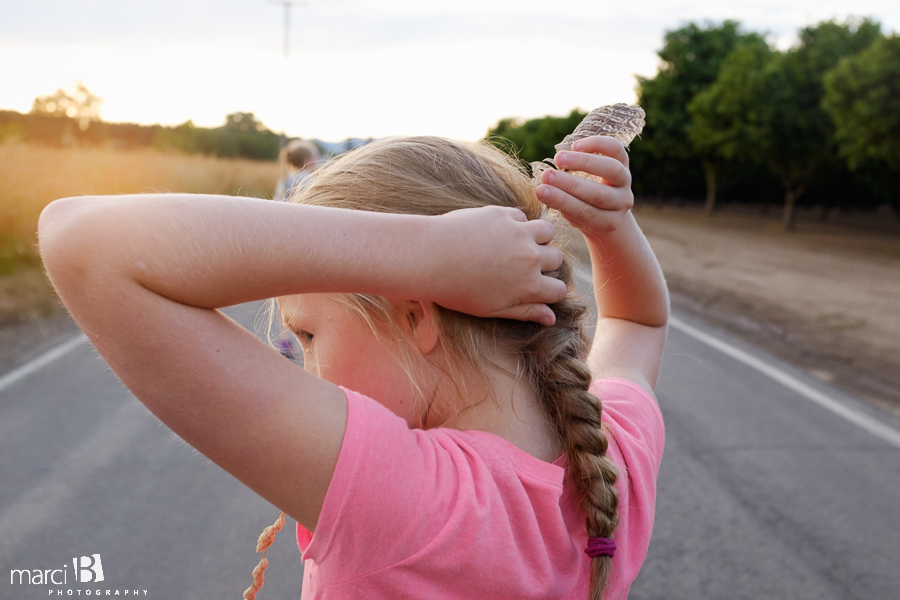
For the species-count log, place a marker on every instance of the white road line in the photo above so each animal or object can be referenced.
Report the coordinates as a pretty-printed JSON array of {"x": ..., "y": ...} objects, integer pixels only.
[
  {"x": 880, "y": 430},
  {"x": 41, "y": 361},
  {"x": 859, "y": 419}
]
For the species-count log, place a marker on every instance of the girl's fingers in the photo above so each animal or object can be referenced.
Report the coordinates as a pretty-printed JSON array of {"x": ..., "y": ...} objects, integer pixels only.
[
  {"x": 538, "y": 313},
  {"x": 572, "y": 185},
  {"x": 551, "y": 258},
  {"x": 602, "y": 144},
  {"x": 568, "y": 205},
  {"x": 542, "y": 230},
  {"x": 562, "y": 188},
  {"x": 594, "y": 205},
  {"x": 580, "y": 214},
  {"x": 610, "y": 169},
  {"x": 517, "y": 214},
  {"x": 556, "y": 290}
]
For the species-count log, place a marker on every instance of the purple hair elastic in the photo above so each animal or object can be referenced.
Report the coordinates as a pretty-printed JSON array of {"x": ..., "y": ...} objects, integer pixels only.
[{"x": 600, "y": 546}]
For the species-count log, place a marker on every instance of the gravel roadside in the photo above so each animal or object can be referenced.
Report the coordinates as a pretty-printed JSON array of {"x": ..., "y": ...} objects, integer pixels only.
[{"x": 825, "y": 297}]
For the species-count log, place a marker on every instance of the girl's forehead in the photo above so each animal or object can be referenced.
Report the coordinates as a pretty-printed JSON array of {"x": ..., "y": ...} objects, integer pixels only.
[
  {"x": 305, "y": 307},
  {"x": 294, "y": 308},
  {"x": 292, "y": 304}
]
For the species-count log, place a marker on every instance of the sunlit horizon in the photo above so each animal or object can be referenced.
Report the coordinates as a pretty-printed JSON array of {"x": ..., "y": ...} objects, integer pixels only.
[{"x": 358, "y": 68}]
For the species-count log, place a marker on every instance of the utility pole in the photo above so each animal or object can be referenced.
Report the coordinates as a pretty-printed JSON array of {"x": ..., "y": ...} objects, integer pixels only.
[{"x": 288, "y": 5}]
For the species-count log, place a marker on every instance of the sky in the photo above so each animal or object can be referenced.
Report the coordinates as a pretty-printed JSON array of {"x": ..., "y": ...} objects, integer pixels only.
[{"x": 364, "y": 68}]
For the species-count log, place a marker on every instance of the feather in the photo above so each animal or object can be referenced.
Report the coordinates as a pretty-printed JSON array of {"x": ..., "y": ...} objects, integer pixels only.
[{"x": 621, "y": 121}]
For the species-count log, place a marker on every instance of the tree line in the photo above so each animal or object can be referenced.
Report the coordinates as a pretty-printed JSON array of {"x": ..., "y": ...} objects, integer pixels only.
[
  {"x": 731, "y": 117},
  {"x": 70, "y": 116}
]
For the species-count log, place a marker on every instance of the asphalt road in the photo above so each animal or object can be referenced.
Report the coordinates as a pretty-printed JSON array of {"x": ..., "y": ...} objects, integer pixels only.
[{"x": 763, "y": 493}]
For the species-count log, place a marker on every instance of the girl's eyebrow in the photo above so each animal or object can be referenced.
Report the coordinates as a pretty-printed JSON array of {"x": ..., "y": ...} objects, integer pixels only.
[{"x": 293, "y": 322}]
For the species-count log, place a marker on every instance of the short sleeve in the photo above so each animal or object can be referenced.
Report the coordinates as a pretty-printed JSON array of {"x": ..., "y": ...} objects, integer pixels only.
[
  {"x": 385, "y": 474},
  {"x": 634, "y": 414}
]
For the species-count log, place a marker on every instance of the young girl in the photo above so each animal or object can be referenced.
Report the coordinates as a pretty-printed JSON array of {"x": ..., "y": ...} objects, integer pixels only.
[{"x": 444, "y": 438}]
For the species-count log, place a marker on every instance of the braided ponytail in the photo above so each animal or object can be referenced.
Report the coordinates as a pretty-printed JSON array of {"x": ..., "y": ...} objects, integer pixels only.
[{"x": 554, "y": 359}]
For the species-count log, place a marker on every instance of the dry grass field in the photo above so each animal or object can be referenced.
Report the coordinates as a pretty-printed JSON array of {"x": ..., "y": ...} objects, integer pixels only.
[{"x": 33, "y": 175}]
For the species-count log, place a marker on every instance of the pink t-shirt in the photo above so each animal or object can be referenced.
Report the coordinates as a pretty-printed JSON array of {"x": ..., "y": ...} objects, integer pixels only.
[{"x": 443, "y": 513}]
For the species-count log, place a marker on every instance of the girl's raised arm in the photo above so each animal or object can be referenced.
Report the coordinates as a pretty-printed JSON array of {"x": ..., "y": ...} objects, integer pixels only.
[
  {"x": 144, "y": 275},
  {"x": 629, "y": 287}
]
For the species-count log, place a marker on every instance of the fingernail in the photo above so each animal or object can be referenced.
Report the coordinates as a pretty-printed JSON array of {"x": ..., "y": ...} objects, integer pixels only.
[
  {"x": 551, "y": 176},
  {"x": 542, "y": 192},
  {"x": 576, "y": 146},
  {"x": 561, "y": 159}
]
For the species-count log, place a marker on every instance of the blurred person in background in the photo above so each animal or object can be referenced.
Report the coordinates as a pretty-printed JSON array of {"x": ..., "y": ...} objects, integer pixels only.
[{"x": 299, "y": 159}]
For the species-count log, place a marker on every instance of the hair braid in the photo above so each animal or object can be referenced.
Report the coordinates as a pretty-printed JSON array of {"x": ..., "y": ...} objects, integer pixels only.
[{"x": 554, "y": 360}]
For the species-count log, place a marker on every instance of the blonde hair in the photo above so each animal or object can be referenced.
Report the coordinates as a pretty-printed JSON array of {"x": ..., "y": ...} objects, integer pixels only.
[{"x": 432, "y": 176}]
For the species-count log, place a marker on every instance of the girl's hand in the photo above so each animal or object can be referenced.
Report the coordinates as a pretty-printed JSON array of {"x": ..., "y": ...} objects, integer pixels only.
[
  {"x": 594, "y": 207},
  {"x": 492, "y": 265}
]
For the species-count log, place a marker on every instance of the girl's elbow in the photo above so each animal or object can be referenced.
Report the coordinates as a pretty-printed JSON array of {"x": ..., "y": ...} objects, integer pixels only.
[
  {"x": 64, "y": 233},
  {"x": 51, "y": 225}
]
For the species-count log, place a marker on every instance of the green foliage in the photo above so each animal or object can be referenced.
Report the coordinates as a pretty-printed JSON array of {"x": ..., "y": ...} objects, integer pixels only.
[
  {"x": 724, "y": 115},
  {"x": 241, "y": 136},
  {"x": 728, "y": 112},
  {"x": 862, "y": 95},
  {"x": 64, "y": 131},
  {"x": 726, "y": 118},
  {"x": 533, "y": 140},
  {"x": 797, "y": 134},
  {"x": 70, "y": 116},
  {"x": 798, "y": 131},
  {"x": 690, "y": 61},
  {"x": 765, "y": 108}
]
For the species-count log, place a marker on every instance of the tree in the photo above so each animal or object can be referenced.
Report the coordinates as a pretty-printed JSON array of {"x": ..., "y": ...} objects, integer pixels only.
[
  {"x": 797, "y": 134},
  {"x": 241, "y": 136},
  {"x": 535, "y": 139},
  {"x": 765, "y": 107},
  {"x": 74, "y": 101},
  {"x": 241, "y": 121},
  {"x": 862, "y": 95},
  {"x": 725, "y": 116},
  {"x": 690, "y": 62}
]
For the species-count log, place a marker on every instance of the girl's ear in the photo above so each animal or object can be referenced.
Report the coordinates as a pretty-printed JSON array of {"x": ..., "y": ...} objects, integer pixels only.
[{"x": 421, "y": 319}]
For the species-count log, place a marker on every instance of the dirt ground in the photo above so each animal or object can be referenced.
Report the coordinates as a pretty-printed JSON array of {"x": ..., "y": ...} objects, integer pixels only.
[{"x": 825, "y": 297}]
